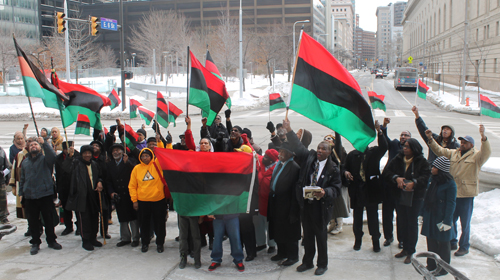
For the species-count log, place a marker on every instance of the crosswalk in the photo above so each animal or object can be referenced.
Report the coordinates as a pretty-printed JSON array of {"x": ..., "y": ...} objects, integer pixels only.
[
  {"x": 490, "y": 126},
  {"x": 282, "y": 112}
]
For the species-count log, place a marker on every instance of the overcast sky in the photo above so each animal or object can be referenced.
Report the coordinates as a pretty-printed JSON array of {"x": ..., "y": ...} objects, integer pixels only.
[{"x": 366, "y": 10}]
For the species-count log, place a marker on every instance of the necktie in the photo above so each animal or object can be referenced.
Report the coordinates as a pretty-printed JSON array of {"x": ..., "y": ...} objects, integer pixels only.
[
  {"x": 362, "y": 170},
  {"x": 315, "y": 175}
]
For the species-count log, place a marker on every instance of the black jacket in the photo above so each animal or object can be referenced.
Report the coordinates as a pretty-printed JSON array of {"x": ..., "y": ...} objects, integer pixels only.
[
  {"x": 117, "y": 182},
  {"x": 330, "y": 177},
  {"x": 394, "y": 145},
  {"x": 370, "y": 191},
  {"x": 63, "y": 178},
  {"x": 421, "y": 130}
]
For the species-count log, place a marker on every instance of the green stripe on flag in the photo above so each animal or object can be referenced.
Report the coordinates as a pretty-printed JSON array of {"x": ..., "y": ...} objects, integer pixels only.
[
  {"x": 378, "y": 105},
  {"x": 32, "y": 89},
  {"x": 200, "y": 99},
  {"x": 277, "y": 106},
  {"x": 422, "y": 95},
  {"x": 332, "y": 116},
  {"x": 489, "y": 113},
  {"x": 70, "y": 114},
  {"x": 82, "y": 130},
  {"x": 209, "y": 204}
]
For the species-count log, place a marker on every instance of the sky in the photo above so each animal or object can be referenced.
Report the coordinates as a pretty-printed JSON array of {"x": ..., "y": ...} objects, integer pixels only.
[{"x": 366, "y": 10}]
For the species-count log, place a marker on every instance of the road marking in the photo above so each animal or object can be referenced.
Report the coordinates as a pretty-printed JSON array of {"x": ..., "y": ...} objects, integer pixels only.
[
  {"x": 411, "y": 105},
  {"x": 399, "y": 113},
  {"x": 379, "y": 113},
  {"x": 486, "y": 127}
]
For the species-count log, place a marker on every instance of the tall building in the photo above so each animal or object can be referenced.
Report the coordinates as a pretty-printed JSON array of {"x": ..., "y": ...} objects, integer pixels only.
[
  {"x": 434, "y": 36},
  {"x": 368, "y": 55},
  {"x": 342, "y": 12},
  {"x": 383, "y": 35},
  {"x": 390, "y": 34},
  {"x": 20, "y": 17}
]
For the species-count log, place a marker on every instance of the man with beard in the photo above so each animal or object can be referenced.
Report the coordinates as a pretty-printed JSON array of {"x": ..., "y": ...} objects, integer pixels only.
[
  {"x": 85, "y": 193},
  {"x": 389, "y": 201},
  {"x": 445, "y": 139},
  {"x": 99, "y": 157},
  {"x": 316, "y": 169},
  {"x": 119, "y": 170},
  {"x": 63, "y": 183},
  {"x": 217, "y": 127},
  {"x": 37, "y": 191},
  {"x": 16, "y": 177}
]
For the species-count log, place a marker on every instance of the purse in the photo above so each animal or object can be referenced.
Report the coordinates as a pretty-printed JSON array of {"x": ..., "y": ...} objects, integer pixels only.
[{"x": 406, "y": 198}]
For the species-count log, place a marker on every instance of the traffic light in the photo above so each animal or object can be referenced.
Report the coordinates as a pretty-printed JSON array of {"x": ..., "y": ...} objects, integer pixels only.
[
  {"x": 61, "y": 23},
  {"x": 128, "y": 75},
  {"x": 93, "y": 26}
]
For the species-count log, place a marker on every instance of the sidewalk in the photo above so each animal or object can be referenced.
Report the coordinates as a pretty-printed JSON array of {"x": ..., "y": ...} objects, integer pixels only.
[{"x": 111, "y": 262}]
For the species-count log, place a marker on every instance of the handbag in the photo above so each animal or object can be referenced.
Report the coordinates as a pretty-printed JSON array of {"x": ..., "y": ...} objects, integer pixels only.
[{"x": 406, "y": 198}]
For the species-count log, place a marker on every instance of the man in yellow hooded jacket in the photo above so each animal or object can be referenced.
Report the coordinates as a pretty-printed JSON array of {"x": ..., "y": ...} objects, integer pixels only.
[{"x": 147, "y": 194}]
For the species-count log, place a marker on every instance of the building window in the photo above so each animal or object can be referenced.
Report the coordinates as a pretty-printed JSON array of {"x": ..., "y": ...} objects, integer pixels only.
[
  {"x": 494, "y": 65},
  {"x": 477, "y": 34},
  {"x": 484, "y": 65},
  {"x": 497, "y": 28},
  {"x": 487, "y": 31}
]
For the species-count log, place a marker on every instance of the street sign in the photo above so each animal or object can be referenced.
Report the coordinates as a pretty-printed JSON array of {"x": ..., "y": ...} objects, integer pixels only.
[
  {"x": 421, "y": 64},
  {"x": 109, "y": 24},
  {"x": 410, "y": 59}
]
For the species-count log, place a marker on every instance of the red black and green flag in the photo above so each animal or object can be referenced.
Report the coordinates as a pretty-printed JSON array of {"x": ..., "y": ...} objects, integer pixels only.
[
  {"x": 167, "y": 111},
  {"x": 206, "y": 91},
  {"x": 82, "y": 125},
  {"x": 489, "y": 108},
  {"x": 82, "y": 100},
  {"x": 134, "y": 104},
  {"x": 36, "y": 83},
  {"x": 377, "y": 101},
  {"x": 324, "y": 91},
  {"x": 208, "y": 183},
  {"x": 210, "y": 65},
  {"x": 146, "y": 115},
  {"x": 276, "y": 101},
  {"x": 422, "y": 89},
  {"x": 114, "y": 98},
  {"x": 131, "y": 138}
]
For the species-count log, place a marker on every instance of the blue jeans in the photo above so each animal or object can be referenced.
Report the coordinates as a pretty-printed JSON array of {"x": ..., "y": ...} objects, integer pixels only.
[
  {"x": 464, "y": 208},
  {"x": 232, "y": 227}
]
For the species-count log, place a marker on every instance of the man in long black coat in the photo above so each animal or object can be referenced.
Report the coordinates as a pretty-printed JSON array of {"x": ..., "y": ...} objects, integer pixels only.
[
  {"x": 362, "y": 171},
  {"x": 316, "y": 213},
  {"x": 99, "y": 157},
  {"x": 283, "y": 208},
  {"x": 119, "y": 170},
  {"x": 63, "y": 182}
]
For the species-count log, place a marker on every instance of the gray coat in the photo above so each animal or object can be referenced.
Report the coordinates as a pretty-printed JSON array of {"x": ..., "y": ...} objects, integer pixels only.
[
  {"x": 36, "y": 174},
  {"x": 4, "y": 164}
]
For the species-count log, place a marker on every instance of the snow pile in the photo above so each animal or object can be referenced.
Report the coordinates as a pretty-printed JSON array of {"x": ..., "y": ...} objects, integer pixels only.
[
  {"x": 485, "y": 225},
  {"x": 450, "y": 102},
  {"x": 492, "y": 165},
  {"x": 467, "y": 88}
]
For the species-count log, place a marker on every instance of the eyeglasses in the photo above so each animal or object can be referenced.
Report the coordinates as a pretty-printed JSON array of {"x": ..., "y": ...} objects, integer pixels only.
[
  {"x": 235, "y": 130},
  {"x": 328, "y": 138},
  {"x": 182, "y": 136},
  {"x": 406, "y": 135},
  {"x": 217, "y": 118}
]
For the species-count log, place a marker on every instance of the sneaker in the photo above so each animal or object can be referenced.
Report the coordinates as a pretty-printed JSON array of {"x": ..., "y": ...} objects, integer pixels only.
[
  {"x": 67, "y": 231},
  {"x": 34, "y": 249},
  {"x": 240, "y": 267},
  {"x": 461, "y": 252},
  {"x": 336, "y": 230},
  {"x": 213, "y": 266},
  {"x": 56, "y": 246}
]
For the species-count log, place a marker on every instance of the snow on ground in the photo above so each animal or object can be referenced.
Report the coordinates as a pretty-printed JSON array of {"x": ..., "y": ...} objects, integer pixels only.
[
  {"x": 450, "y": 102},
  {"x": 485, "y": 225},
  {"x": 467, "y": 88}
]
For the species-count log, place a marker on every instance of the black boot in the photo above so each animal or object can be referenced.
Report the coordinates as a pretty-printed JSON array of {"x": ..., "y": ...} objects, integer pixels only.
[
  {"x": 183, "y": 262},
  {"x": 357, "y": 245},
  {"x": 376, "y": 245}
]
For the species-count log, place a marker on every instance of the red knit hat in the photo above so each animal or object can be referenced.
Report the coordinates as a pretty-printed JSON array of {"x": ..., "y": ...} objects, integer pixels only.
[{"x": 272, "y": 154}]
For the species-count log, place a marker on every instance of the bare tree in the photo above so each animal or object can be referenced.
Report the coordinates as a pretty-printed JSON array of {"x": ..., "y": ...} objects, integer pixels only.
[
  {"x": 225, "y": 43},
  {"x": 106, "y": 58},
  {"x": 269, "y": 46},
  {"x": 8, "y": 56}
]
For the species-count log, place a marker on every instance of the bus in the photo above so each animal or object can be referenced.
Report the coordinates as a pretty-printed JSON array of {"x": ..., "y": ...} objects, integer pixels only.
[{"x": 405, "y": 77}]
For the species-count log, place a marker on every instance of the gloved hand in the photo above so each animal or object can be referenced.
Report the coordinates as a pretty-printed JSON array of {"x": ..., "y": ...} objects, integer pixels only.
[
  {"x": 6, "y": 172},
  {"x": 420, "y": 220},
  {"x": 270, "y": 127},
  {"x": 227, "y": 113},
  {"x": 112, "y": 129},
  {"x": 443, "y": 227},
  {"x": 169, "y": 138},
  {"x": 155, "y": 126}
]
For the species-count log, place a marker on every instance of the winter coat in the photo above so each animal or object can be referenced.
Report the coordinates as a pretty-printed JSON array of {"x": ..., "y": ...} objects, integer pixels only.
[
  {"x": 394, "y": 145},
  {"x": 454, "y": 144},
  {"x": 370, "y": 191},
  {"x": 442, "y": 212},
  {"x": 4, "y": 164},
  {"x": 264, "y": 186},
  {"x": 145, "y": 181},
  {"x": 117, "y": 182},
  {"x": 36, "y": 174},
  {"x": 283, "y": 208},
  {"x": 465, "y": 168},
  {"x": 329, "y": 180},
  {"x": 82, "y": 191},
  {"x": 418, "y": 171},
  {"x": 63, "y": 178}
]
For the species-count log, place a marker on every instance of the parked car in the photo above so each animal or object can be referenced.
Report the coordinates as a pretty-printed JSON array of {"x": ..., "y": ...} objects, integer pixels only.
[
  {"x": 385, "y": 73},
  {"x": 379, "y": 74}
]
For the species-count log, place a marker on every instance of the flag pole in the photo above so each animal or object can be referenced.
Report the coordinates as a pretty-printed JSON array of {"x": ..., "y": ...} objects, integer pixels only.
[
  {"x": 168, "y": 113},
  {"x": 156, "y": 114},
  {"x": 187, "y": 86},
  {"x": 124, "y": 136},
  {"x": 269, "y": 99},
  {"x": 293, "y": 77},
  {"x": 416, "y": 91},
  {"x": 33, "y": 116}
]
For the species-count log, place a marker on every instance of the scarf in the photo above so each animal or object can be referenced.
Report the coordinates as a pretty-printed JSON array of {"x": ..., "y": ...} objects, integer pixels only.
[
  {"x": 407, "y": 162},
  {"x": 278, "y": 173},
  {"x": 21, "y": 146}
]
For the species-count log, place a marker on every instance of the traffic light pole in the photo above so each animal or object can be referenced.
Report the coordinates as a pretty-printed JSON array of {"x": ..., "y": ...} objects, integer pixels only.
[
  {"x": 66, "y": 43},
  {"x": 122, "y": 68}
]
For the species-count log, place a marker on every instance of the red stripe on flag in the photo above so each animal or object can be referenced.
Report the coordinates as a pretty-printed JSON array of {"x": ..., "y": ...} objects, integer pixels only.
[
  {"x": 421, "y": 84},
  {"x": 273, "y": 96},
  {"x": 174, "y": 110},
  {"x": 372, "y": 93},
  {"x": 486, "y": 99},
  {"x": 82, "y": 118}
]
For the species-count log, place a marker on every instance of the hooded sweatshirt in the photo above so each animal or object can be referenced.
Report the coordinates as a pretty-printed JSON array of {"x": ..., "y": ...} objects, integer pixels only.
[{"x": 145, "y": 182}]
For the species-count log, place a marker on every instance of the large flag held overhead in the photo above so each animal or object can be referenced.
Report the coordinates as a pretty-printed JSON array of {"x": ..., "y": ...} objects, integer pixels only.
[
  {"x": 167, "y": 111},
  {"x": 376, "y": 100},
  {"x": 324, "y": 91},
  {"x": 276, "y": 101},
  {"x": 134, "y": 104},
  {"x": 114, "y": 98},
  {"x": 422, "y": 89},
  {"x": 208, "y": 183},
  {"x": 82, "y": 125},
  {"x": 489, "y": 108},
  {"x": 146, "y": 115},
  {"x": 84, "y": 101},
  {"x": 210, "y": 66},
  {"x": 206, "y": 91},
  {"x": 36, "y": 83}
]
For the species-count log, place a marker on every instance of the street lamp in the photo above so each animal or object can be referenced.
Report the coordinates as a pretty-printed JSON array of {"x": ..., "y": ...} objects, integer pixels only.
[
  {"x": 133, "y": 59},
  {"x": 251, "y": 72},
  {"x": 300, "y": 21},
  {"x": 425, "y": 40}
]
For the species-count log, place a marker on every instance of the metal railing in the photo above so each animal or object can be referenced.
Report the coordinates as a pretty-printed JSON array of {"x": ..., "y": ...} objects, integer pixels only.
[{"x": 440, "y": 265}]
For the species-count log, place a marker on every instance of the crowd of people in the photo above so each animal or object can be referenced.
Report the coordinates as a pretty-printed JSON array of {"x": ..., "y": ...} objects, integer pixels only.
[{"x": 303, "y": 194}]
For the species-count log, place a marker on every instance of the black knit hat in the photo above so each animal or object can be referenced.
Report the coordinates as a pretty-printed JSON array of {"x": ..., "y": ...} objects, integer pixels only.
[
  {"x": 248, "y": 132},
  {"x": 238, "y": 128},
  {"x": 86, "y": 148},
  {"x": 442, "y": 163},
  {"x": 142, "y": 131},
  {"x": 65, "y": 145},
  {"x": 151, "y": 139}
]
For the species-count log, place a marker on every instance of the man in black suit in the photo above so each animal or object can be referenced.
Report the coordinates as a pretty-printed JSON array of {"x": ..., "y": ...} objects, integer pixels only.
[{"x": 316, "y": 169}]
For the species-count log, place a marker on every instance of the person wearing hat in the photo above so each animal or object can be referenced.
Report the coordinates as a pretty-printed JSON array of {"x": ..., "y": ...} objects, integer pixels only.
[
  {"x": 445, "y": 139},
  {"x": 362, "y": 173},
  {"x": 278, "y": 135},
  {"x": 437, "y": 212},
  {"x": 99, "y": 157},
  {"x": 465, "y": 165},
  {"x": 255, "y": 147},
  {"x": 141, "y": 139},
  {"x": 283, "y": 212},
  {"x": 318, "y": 170},
  {"x": 63, "y": 184},
  {"x": 265, "y": 167},
  {"x": 85, "y": 197},
  {"x": 119, "y": 170}
]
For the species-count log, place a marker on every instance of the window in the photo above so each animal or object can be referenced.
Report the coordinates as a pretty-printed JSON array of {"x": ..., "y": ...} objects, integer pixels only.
[
  {"x": 494, "y": 65},
  {"x": 484, "y": 65},
  {"x": 487, "y": 31},
  {"x": 477, "y": 34},
  {"x": 497, "y": 28}
]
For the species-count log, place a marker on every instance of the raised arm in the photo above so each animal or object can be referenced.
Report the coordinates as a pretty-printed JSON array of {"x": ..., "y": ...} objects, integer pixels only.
[{"x": 436, "y": 149}]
